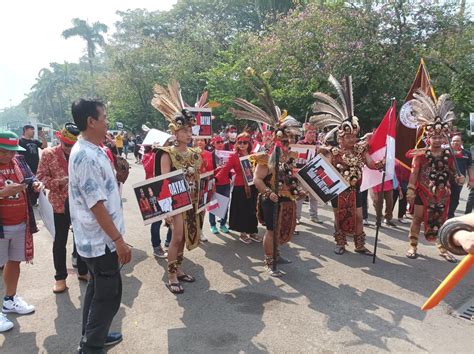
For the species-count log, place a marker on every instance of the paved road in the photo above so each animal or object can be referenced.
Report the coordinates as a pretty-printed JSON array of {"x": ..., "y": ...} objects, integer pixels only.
[{"x": 325, "y": 303}]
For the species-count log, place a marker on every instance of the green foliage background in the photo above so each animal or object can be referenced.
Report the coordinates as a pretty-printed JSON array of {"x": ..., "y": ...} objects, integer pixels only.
[{"x": 206, "y": 44}]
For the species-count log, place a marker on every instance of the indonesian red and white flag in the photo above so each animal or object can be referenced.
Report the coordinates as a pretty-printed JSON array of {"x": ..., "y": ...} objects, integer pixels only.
[{"x": 383, "y": 140}]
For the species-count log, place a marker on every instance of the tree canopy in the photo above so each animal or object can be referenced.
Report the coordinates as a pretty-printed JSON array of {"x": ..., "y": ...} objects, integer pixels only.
[{"x": 207, "y": 44}]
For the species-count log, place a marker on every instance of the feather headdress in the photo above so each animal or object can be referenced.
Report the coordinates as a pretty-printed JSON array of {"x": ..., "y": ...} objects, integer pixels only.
[
  {"x": 435, "y": 117},
  {"x": 170, "y": 103},
  {"x": 271, "y": 115},
  {"x": 331, "y": 113}
]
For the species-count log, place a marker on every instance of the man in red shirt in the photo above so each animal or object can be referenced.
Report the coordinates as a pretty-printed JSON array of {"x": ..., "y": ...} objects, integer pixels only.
[{"x": 17, "y": 223}]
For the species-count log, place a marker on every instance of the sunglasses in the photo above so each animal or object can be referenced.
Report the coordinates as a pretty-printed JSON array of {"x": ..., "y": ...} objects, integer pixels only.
[{"x": 243, "y": 142}]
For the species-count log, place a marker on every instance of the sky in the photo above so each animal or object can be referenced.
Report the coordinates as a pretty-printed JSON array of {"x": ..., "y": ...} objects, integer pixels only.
[{"x": 30, "y": 33}]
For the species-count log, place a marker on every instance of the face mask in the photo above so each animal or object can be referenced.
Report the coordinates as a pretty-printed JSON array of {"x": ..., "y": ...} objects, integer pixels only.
[{"x": 232, "y": 135}]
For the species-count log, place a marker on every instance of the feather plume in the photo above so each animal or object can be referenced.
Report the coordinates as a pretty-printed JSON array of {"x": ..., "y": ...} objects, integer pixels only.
[
  {"x": 201, "y": 102},
  {"x": 348, "y": 95},
  {"x": 445, "y": 107},
  {"x": 250, "y": 116},
  {"x": 330, "y": 101},
  {"x": 246, "y": 105},
  {"x": 166, "y": 102},
  {"x": 340, "y": 92},
  {"x": 323, "y": 108},
  {"x": 424, "y": 104}
]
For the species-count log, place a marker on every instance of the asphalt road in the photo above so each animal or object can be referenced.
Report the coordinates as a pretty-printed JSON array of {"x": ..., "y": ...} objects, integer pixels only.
[{"x": 325, "y": 303}]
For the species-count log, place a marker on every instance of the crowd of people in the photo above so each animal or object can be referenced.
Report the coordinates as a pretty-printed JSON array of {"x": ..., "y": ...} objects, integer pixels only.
[{"x": 85, "y": 173}]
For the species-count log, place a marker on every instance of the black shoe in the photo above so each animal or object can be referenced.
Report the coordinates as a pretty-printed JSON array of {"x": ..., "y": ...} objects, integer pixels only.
[{"x": 113, "y": 338}]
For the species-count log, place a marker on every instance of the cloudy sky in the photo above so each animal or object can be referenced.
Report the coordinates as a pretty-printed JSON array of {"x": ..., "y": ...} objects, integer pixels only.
[{"x": 30, "y": 33}]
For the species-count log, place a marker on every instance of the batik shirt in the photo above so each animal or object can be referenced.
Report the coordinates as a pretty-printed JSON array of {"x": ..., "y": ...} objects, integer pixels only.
[{"x": 91, "y": 180}]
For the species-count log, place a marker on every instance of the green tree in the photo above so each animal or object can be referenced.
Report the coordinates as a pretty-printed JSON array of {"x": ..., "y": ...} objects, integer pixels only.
[{"x": 92, "y": 34}]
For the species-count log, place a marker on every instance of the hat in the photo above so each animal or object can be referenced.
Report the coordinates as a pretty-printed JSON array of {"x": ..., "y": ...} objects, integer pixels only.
[
  {"x": 9, "y": 141},
  {"x": 68, "y": 134},
  {"x": 217, "y": 139},
  {"x": 28, "y": 126}
]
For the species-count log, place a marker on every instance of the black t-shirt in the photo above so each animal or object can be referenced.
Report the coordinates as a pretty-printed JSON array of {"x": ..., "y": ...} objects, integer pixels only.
[
  {"x": 464, "y": 162},
  {"x": 31, "y": 154}
]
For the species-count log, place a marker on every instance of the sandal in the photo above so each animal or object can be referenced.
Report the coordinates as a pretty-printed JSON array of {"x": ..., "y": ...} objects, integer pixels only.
[
  {"x": 364, "y": 251},
  {"x": 411, "y": 253},
  {"x": 245, "y": 239},
  {"x": 275, "y": 273},
  {"x": 256, "y": 238},
  {"x": 340, "y": 250},
  {"x": 175, "y": 288},
  {"x": 450, "y": 258},
  {"x": 186, "y": 278}
]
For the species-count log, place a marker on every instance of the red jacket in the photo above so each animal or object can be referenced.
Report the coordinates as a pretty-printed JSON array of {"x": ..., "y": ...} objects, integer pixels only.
[
  {"x": 232, "y": 164},
  {"x": 207, "y": 160},
  {"x": 148, "y": 162}
]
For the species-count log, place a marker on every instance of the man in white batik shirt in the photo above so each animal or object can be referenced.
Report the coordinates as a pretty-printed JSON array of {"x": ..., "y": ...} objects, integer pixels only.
[{"x": 97, "y": 219}]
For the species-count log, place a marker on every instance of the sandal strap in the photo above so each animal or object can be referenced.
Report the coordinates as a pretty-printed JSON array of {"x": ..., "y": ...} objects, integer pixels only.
[
  {"x": 173, "y": 267},
  {"x": 359, "y": 241},
  {"x": 340, "y": 239}
]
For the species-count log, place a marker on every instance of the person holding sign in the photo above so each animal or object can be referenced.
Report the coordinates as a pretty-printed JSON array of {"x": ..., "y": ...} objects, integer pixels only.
[
  {"x": 273, "y": 174},
  {"x": 186, "y": 226},
  {"x": 349, "y": 156},
  {"x": 243, "y": 206},
  {"x": 310, "y": 136}
]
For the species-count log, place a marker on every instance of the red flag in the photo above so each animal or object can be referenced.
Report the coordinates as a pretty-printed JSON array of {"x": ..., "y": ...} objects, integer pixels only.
[
  {"x": 382, "y": 144},
  {"x": 406, "y": 123}
]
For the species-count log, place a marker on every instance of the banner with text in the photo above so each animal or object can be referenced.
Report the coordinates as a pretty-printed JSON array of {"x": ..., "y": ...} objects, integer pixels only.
[
  {"x": 203, "y": 127},
  {"x": 163, "y": 196}
]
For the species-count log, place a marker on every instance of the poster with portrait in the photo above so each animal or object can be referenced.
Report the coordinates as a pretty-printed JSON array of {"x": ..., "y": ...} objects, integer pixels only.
[
  {"x": 222, "y": 156},
  {"x": 163, "y": 196},
  {"x": 305, "y": 153},
  {"x": 203, "y": 127},
  {"x": 206, "y": 188},
  {"x": 321, "y": 179},
  {"x": 247, "y": 169}
]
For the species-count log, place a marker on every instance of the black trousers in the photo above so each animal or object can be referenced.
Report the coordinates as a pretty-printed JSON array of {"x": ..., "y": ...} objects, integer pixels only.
[
  {"x": 402, "y": 203},
  {"x": 101, "y": 301},
  {"x": 470, "y": 202},
  {"x": 454, "y": 199},
  {"x": 61, "y": 224}
]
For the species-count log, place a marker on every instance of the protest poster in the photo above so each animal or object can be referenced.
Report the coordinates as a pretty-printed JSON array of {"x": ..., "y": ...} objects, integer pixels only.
[
  {"x": 46, "y": 212},
  {"x": 203, "y": 127},
  {"x": 163, "y": 196},
  {"x": 321, "y": 179},
  {"x": 247, "y": 169},
  {"x": 155, "y": 136},
  {"x": 206, "y": 188},
  {"x": 219, "y": 205},
  {"x": 305, "y": 153},
  {"x": 222, "y": 156}
]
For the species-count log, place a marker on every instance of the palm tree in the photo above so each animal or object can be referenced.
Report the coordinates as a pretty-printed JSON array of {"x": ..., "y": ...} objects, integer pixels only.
[{"x": 90, "y": 33}]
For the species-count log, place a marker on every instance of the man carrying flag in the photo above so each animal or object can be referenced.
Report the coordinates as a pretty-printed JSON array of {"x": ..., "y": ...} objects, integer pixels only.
[{"x": 382, "y": 145}]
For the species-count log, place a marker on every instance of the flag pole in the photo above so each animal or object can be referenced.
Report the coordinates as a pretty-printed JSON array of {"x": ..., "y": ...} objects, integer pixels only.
[
  {"x": 380, "y": 200},
  {"x": 275, "y": 210}
]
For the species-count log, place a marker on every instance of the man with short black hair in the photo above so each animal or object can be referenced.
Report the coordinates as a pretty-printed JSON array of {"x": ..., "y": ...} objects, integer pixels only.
[
  {"x": 97, "y": 219},
  {"x": 31, "y": 146}
]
